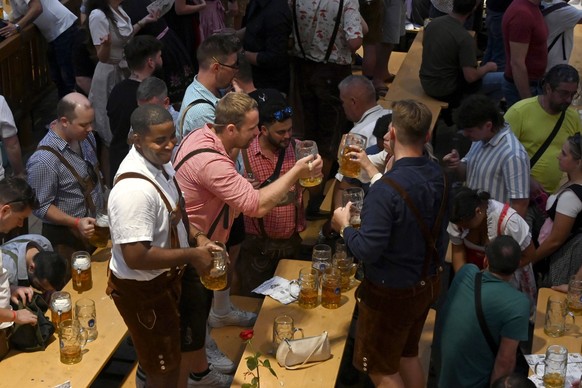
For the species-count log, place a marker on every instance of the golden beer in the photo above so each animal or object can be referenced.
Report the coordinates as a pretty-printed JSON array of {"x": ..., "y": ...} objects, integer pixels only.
[
  {"x": 554, "y": 380},
  {"x": 554, "y": 330},
  {"x": 215, "y": 280},
  {"x": 81, "y": 271},
  {"x": 71, "y": 354},
  {"x": 310, "y": 182},
  {"x": 307, "y": 298},
  {"x": 57, "y": 318},
  {"x": 356, "y": 221},
  {"x": 330, "y": 294},
  {"x": 348, "y": 167},
  {"x": 575, "y": 308},
  {"x": 102, "y": 234},
  {"x": 7, "y": 8}
]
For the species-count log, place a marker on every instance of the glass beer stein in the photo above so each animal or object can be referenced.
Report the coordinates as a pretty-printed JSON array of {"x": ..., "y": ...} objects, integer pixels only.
[
  {"x": 81, "y": 271},
  {"x": 216, "y": 278},
  {"x": 348, "y": 167},
  {"x": 61, "y": 307},
  {"x": 102, "y": 234},
  {"x": 303, "y": 149}
]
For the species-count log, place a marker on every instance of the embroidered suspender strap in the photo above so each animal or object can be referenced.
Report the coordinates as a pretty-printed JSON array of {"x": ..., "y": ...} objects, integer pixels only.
[
  {"x": 338, "y": 19},
  {"x": 501, "y": 218},
  {"x": 430, "y": 236},
  {"x": 546, "y": 143},
  {"x": 190, "y": 105},
  {"x": 224, "y": 210},
  {"x": 173, "y": 235},
  {"x": 481, "y": 316},
  {"x": 296, "y": 29},
  {"x": 86, "y": 189}
]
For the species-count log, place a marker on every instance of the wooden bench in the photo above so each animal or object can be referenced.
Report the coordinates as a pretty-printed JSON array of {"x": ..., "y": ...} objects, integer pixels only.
[
  {"x": 44, "y": 368},
  {"x": 407, "y": 85}
]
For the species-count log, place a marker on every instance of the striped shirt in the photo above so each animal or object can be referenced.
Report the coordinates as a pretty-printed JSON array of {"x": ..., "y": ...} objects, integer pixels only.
[
  {"x": 55, "y": 184},
  {"x": 499, "y": 166}
]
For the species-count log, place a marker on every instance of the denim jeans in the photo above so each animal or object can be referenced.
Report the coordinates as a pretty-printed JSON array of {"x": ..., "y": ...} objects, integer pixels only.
[
  {"x": 491, "y": 85},
  {"x": 495, "y": 51},
  {"x": 512, "y": 95},
  {"x": 60, "y": 59}
]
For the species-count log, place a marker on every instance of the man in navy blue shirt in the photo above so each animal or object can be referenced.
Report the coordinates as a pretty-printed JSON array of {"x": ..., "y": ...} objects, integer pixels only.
[{"x": 401, "y": 261}]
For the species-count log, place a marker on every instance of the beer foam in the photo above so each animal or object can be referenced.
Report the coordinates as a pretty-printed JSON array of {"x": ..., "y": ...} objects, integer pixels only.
[
  {"x": 81, "y": 263},
  {"x": 62, "y": 305},
  {"x": 102, "y": 221}
]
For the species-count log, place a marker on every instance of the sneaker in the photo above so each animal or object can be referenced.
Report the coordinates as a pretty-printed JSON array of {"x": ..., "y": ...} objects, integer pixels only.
[
  {"x": 220, "y": 362},
  {"x": 235, "y": 317},
  {"x": 213, "y": 379},
  {"x": 140, "y": 377}
]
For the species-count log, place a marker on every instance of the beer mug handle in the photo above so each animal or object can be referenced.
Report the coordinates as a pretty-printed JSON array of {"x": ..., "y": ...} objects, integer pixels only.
[
  {"x": 84, "y": 336},
  {"x": 541, "y": 363},
  {"x": 298, "y": 329},
  {"x": 570, "y": 315},
  {"x": 294, "y": 288},
  {"x": 78, "y": 278}
]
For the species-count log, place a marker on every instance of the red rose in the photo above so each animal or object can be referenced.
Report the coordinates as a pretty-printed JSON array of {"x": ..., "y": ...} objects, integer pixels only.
[{"x": 246, "y": 335}]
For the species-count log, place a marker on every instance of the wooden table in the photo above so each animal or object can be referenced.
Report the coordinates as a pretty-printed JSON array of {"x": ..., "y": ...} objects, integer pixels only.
[
  {"x": 44, "y": 369},
  {"x": 313, "y": 322},
  {"x": 407, "y": 85},
  {"x": 572, "y": 340}
]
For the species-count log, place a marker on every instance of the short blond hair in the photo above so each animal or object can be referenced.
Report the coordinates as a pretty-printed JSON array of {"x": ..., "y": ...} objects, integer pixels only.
[
  {"x": 232, "y": 109},
  {"x": 412, "y": 121}
]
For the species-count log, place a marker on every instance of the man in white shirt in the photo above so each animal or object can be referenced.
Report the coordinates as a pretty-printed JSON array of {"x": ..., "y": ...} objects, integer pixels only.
[
  {"x": 57, "y": 24},
  {"x": 150, "y": 247}
]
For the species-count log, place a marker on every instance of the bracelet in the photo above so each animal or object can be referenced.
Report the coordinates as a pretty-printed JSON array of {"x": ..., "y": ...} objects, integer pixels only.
[
  {"x": 77, "y": 222},
  {"x": 13, "y": 316},
  {"x": 198, "y": 235}
]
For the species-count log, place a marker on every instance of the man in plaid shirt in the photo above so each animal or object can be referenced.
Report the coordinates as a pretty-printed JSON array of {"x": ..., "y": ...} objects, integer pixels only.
[{"x": 275, "y": 235}]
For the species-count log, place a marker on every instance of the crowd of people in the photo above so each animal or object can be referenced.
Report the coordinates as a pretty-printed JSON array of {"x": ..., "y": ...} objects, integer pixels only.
[{"x": 183, "y": 131}]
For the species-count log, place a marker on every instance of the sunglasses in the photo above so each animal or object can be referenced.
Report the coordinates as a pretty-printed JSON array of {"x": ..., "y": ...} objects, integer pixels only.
[{"x": 283, "y": 114}]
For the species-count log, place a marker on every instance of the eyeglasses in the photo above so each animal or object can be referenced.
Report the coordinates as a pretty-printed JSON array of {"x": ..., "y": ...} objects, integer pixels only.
[
  {"x": 234, "y": 67},
  {"x": 283, "y": 114}
]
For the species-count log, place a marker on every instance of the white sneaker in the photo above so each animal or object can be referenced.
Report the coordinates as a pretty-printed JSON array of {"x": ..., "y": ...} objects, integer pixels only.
[
  {"x": 140, "y": 377},
  {"x": 214, "y": 379},
  {"x": 219, "y": 361},
  {"x": 235, "y": 317}
]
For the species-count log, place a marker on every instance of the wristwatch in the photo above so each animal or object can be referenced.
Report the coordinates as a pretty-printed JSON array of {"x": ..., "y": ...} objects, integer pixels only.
[
  {"x": 17, "y": 27},
  {"x": 342, "y": 230}
]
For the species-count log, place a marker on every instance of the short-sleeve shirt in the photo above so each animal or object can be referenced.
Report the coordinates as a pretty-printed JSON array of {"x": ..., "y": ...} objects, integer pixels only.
[
  {"x": 315, "y": 24},
  {"x": 7, "y": 127},
  {"x": 52, "y": 22},
  {"x": 137, "y": 213},
  {"x": 209, "y": 180},
  {"x": 199, "y": 114},
  {"x": 14, "y": 255},
  {"x": 561, "y": 21},
  {"x": 532, "y": 125},
  {"x": 523, "y": 22},
  {"x": 568, "y": 204},
  {"x": 54, "y": 183},
  {"x": 99, "y": 28},
  {"x": 499, "y": 166},
  {"x": 4, "y": 295},
  {"x": 466, "y": 358},
  {"x": 447, "y": 48}
]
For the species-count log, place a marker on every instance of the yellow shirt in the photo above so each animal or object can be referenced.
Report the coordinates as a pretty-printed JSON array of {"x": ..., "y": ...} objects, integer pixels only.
[{"x": 532, "y": 125}]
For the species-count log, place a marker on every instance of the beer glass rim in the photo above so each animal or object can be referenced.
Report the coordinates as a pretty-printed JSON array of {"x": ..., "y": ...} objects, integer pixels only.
[
  {"x": 284, "y": 318},
  {"x": 557, "y": 349}
]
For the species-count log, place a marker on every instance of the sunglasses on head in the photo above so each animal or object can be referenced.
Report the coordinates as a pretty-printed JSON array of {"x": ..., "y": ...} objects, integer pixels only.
[{"x": 283, "y": 114}]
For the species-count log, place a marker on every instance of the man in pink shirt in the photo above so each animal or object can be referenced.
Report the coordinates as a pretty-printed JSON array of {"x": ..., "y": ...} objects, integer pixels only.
[{"x": 215, "y": 193}]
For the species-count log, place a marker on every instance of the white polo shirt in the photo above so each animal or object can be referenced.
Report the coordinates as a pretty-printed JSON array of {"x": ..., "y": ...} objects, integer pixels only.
[
  {"x": 138, "y": 213},
  {"x": 52, "y": 22}
]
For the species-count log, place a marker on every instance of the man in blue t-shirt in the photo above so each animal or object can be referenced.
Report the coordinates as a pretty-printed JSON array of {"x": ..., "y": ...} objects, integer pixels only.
[{"x": 467, "y": 359}]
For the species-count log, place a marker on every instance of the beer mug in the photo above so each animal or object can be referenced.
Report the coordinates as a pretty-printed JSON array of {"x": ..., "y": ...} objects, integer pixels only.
[
  {"x": 86, "y": 314},
  {"x": 347, "y": 269},
  {"x": 355, "y": 195},
  {"x": 340, "y": 248},
  {"x": 81, "y": 271},
  {"x": 102, "y": 234},
  {"x": 321, "y": 257},
  {"x": 331, "y": 293},
  {"x": 61, "y": 307},
  {"x": 305, "y": 289},
  {"x": 216, "y": 278},
  {"x": 348, "y": 167},
  {"x": 575, "y": 296},
  {"x": 72, "y": 340},
  {"x": 556, "y": 313},
  {"x": 303, "y": 149},
  {"x": 283, "y": 329},
  {"x": 554, "y": 366}
]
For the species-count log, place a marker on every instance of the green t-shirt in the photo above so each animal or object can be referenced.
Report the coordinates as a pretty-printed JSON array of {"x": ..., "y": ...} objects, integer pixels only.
[
  {"x": 467, "y": 360},
  {"x": 532, "y": 125}
]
